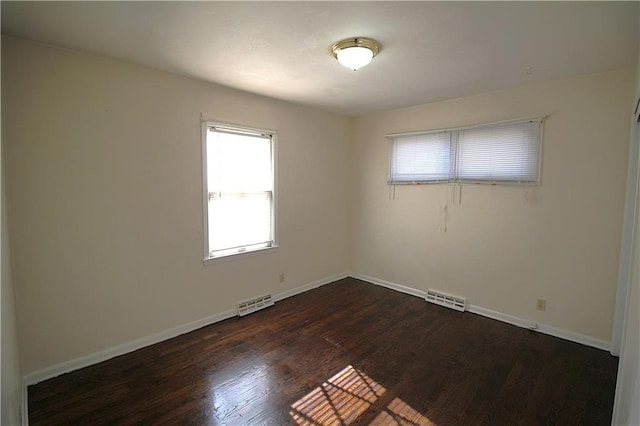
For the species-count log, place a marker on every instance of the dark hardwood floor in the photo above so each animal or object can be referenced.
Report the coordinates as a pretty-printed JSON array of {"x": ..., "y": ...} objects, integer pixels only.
[{"x": 346, "y": 353}]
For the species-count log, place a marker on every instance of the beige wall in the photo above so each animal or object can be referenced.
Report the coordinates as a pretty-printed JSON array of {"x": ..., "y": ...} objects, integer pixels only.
[
  {"x": 10, "y": 374},
  {"x": 505, "y": 246},
  {"x": 105, "y": 199}
]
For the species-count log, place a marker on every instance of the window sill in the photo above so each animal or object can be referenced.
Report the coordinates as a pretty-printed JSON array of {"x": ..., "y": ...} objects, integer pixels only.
[{"x": 238, "y": 256}]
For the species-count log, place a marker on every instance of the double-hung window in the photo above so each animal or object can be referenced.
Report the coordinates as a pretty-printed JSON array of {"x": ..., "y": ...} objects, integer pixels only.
[
  {"x": 506, "y": 152},
  {"x": 239, "y": 189}
]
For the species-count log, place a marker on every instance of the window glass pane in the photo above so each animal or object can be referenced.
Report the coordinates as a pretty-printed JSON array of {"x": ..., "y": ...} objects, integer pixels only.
[
  {"x": 240, "y": 187},
  {"x": 238, "y": 162},
  {"x": 420, "y": 158},
  {"x": 237, "y": 220}
]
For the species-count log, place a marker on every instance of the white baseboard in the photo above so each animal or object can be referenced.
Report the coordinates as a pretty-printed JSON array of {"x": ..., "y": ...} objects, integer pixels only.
[
  {"x": 388, "y": 284},
  {"x": 575, "y": 337},
  {"x": 542, "y": 328},
  {"x": 100, "y": 356},
  {"x": 510, "y": 319},
  {"x": 310, "y": 286}
]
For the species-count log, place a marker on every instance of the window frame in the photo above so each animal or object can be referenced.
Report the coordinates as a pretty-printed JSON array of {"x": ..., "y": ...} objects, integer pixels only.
[
  {"x": 453, "y": 134},
  {"x": 246, "y": 130}
]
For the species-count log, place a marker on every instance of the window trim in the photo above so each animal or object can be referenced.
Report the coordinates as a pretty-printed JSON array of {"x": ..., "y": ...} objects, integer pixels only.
[
  {"x": 453, "y": 141},
  {"x": 241, "y": 130}
]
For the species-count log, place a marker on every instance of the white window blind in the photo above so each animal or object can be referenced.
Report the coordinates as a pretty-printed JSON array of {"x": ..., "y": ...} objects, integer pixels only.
[
  {"x": 240, "y": 191},
  {"x": 505, "y": 152},
  {"x": 420, "y": 158},
  {"x": 494, "y": 153}
]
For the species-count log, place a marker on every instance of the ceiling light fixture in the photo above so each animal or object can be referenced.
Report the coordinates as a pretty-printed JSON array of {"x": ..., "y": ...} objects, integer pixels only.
[{"x": 355, "y": 52}]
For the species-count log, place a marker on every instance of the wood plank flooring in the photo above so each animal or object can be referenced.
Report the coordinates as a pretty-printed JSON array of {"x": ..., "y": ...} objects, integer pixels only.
[{"x": 346, "y": 353}]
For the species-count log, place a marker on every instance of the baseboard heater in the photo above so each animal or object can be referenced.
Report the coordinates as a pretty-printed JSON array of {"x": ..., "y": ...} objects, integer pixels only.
[
  {"x": 250, "y": 306},
  {"x": 446, "y": 300}
]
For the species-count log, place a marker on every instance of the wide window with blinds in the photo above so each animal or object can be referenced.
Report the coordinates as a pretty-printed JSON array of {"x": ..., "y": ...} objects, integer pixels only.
[
  {"x": 494, "y": 153},
  {"x": 240, "y": 190}
]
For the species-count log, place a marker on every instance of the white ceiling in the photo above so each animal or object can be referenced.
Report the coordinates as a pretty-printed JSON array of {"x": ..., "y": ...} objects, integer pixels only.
[{"x": 430, "y": 50}]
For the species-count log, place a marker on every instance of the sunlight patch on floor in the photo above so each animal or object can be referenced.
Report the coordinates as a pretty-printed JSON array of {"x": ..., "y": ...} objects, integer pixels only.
[
  {"x": 400, "y": 413},
  {"x": 345, "y": 397},
  {"x": 338, "y": 401}
]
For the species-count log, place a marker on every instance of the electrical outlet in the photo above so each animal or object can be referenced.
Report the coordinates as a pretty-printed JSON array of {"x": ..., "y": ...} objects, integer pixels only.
[
  {"x": 541, "y": 305},
  {"x": 282, "y": 277}
]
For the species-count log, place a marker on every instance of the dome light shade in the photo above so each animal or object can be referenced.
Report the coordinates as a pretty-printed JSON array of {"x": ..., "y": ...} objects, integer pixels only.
[
  {"x": 354, "y": 57},
  {"x": 355, "y": 53}
]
